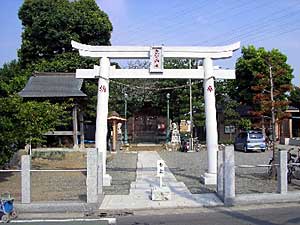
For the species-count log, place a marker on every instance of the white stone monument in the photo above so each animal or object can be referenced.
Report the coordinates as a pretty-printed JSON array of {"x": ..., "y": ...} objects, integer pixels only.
[
  {"x": 175, "y": 134},
  {"x": 156, "y": 54},
  {"x": 162, "y": 192}
]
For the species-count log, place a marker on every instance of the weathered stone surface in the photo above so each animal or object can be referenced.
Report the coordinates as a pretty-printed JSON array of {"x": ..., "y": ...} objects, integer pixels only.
[
  {"x": 160, "y": 193},
  {"x": 25, "y": 180}
]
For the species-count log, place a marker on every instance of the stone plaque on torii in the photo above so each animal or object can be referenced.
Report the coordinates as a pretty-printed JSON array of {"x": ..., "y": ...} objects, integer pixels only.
[{"x": 156, "y": 54}]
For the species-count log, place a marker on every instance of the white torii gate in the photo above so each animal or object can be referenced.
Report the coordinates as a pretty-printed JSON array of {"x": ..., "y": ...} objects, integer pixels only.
[{"x": 156, "y": 55}]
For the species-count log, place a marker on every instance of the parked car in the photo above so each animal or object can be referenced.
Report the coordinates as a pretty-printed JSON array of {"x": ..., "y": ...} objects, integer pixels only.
[{"x": 250, "y": 140}]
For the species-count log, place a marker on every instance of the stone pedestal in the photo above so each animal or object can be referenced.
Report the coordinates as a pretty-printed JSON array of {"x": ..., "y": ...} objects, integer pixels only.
[
  {"x": 209, "y": 178},
  {"x": 160, "y": 193},
  {"x": 106, "y": 180}
]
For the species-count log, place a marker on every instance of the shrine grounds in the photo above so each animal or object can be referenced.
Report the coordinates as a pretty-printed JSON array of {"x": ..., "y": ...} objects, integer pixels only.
[{"x": 187, "y": 167}]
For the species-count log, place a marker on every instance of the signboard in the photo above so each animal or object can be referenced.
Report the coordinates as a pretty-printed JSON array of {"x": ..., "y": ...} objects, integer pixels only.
[
  {"x": 156, "y": 60},
  {"x": 160, "y": 168},
  {"x": 229, "y": 129}
]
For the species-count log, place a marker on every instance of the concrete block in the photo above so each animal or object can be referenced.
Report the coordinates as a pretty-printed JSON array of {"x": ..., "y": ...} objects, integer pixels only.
[
  {"x": 209, "y": 178},
  {"x": 220, "y": 174},
  {"x": 282, "y": 186},
  {"x": 229, "y": 176},
  {"x": 91, "y": 180},
  {"x": 107, "y": 180},
  {"x": 25, "y": 179},
  {"x": 100, "y": 173},
  {"x": 160, "y": 193}
]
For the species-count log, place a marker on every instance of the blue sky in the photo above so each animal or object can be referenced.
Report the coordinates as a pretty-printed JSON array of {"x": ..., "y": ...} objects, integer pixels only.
[{"x": 263, "y": 23}]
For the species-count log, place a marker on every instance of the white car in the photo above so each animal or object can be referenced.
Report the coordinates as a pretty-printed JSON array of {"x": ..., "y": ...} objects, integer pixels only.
[{"x": 250, "y": 140}]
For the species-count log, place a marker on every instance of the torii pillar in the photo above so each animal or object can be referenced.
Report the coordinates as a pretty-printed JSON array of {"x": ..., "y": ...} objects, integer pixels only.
[
  {"x": 210, "y": 177},
  {"x": 101, "y": 119}
]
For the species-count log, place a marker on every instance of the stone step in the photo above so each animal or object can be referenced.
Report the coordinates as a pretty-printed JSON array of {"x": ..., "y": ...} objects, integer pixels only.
[
  {"x": 146, "y": 147},
  {"x": 174, "y": 185}
]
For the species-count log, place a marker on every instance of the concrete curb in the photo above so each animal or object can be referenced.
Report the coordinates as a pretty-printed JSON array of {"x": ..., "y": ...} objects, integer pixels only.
[
  {"x": 69, "y": 207},
  {"x": 56, "y": 207},
  {"x": 266, "y": 198}
]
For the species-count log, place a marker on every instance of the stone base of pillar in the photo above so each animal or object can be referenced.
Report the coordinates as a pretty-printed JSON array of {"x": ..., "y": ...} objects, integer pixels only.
[
  {"x": 209, "y": 178},
  {"x": 107, "y": 180}
]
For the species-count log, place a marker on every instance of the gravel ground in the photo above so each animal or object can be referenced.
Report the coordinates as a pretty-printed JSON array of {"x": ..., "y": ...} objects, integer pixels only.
[
  {"x": 122, "y": 168},
  {"x": 188, "y": 168},
  {"x": 51, "y": 186}
]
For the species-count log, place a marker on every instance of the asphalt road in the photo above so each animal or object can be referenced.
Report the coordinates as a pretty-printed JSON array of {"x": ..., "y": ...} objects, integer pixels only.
[
  {"x": 276, "y": 214},
  {"x": 62, "y": 222},
  {"x": 223, "y": 216}
]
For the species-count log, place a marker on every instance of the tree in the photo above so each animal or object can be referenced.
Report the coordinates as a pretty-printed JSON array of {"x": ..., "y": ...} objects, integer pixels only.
[
  {"x": 295, "y": 97},
  {"x": 48, "y": 28},
  {"x": 21, "y": 121},
  {"x": 50, "y": 25},
  {"x": 245, "y": 124},
  {"x": 253, "y": 81}
]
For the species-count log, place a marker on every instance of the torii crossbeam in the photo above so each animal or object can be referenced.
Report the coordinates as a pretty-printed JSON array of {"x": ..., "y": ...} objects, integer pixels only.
[{"x": 156, "y": 54}]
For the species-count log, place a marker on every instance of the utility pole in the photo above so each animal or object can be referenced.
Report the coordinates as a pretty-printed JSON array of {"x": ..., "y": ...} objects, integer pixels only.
[
  {"x": 273, "y": 120},
  {"x": 125, "y": 127},
  {"x": 168, "y": 118},
  {"x": 191, "y": 110}
]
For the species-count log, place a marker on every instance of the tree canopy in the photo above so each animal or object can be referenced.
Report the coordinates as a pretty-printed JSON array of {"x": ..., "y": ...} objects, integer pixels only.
[
  {"x": 295, "y": 97},
  {"x": 50, "y": 25},
  {"x": 253, "y": 84},
  {"x": 48, "y": 28}
]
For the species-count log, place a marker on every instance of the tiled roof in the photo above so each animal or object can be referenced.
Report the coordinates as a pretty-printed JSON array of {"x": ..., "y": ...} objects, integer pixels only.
[{"x": 42, "y": 85}]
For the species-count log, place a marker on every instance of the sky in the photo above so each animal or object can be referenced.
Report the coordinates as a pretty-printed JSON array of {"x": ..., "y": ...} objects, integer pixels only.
[{"x": 262, "y": 23}]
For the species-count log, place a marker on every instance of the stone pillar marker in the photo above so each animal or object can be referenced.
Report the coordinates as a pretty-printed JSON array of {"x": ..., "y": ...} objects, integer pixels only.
[
  {"x": 210, "y": 122},
  {"x": 92, "y": 178},
  {"x": 220, "y": 174},
  {"x": 102, "y": 113},
  {"x": 25, "y": 179},
  {"x": 229, "y": 176},
  {"x": 282, "y": 186},
  {"x": 75, "y": 126}
]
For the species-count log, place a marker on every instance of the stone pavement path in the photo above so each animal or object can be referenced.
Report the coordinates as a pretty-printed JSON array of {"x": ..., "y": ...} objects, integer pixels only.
[{"x": 140, "y": 190}]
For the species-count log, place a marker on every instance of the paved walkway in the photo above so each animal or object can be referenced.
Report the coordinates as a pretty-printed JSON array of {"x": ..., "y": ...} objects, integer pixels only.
[{"x": 140, "y": 191}]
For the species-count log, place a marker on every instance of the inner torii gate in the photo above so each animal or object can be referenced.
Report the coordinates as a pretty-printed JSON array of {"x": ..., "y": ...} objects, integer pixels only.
[{"x": 156, "y": 54}]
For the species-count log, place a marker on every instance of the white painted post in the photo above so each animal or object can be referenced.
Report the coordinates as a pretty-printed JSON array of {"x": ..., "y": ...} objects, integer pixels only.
[
  {"x": 282, "y": 186},
  {"x": 210, "y": 122},
  {"x": 220, "y": 174},
  {"x": 229, "y": 176},
  {"x": 102, "y": 113},
  {"x": 25, "y": 179},
  {"x": 91, "y": 178}
]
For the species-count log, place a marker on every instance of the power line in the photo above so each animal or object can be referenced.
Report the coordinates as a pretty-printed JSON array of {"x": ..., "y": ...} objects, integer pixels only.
[
  {"x": 163, "y": 17},
  {"x": 174, "y": 28},
  {"x": 222, "y": 19},
  {"x": 257, "y": 31},
  {"x": 136, "y": 87},
  {"x": 255, "y": 24}
]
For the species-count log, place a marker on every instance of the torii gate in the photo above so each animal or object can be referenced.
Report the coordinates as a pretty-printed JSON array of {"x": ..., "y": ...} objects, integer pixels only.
[{"x": 156, "y": 54}]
